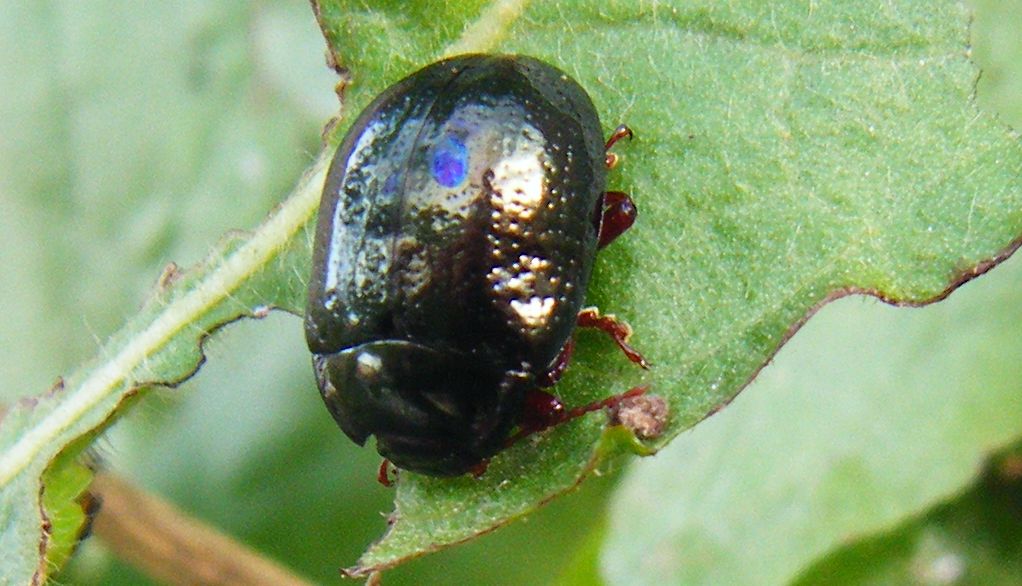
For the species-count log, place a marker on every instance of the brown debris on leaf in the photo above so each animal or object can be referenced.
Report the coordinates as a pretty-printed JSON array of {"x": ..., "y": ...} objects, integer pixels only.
[{"x": 644, "y": 415}]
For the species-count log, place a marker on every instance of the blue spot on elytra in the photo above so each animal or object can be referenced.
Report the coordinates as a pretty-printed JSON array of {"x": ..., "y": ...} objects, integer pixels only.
[
  {"x": 450, "y": 161},
  {"x": 390, "y": 186}
]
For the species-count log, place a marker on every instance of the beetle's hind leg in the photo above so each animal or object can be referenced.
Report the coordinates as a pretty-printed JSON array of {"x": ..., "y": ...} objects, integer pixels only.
[{"x": 543, "y": 411}]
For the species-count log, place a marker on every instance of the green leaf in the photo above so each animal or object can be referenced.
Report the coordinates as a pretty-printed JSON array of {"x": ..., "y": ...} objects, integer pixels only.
[
  {"x": 583, "y": 569},
  {"x": 974, "y": 539},
  {"x": 869, "y": 416},
  {"x": 114, "y": 138},
  {"x": 66, "y": 503},
  {"x": 161, "y": 345},
  {"x": 786, "y": 154}
]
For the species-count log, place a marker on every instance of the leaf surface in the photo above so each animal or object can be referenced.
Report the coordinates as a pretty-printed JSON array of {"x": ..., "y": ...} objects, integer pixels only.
[
  {"x": 869, "y": 416},
  {"x": 973, "y": 539}
]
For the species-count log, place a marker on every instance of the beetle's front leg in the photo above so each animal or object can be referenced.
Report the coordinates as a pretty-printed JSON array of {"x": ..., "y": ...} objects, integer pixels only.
[
  {"x": 617, "y": 210},
  {"x": 619, "y": 213}
]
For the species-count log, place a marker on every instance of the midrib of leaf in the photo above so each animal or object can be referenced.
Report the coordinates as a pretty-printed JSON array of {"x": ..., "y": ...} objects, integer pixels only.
[
  {"x": 213, "y": 289},
  {"x": 488, "y": 29}
]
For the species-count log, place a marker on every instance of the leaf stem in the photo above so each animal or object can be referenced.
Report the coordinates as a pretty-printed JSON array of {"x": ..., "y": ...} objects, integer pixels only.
[
  {"x": 212, "y": 289},
  {"x": 172, "y": 547},
  {"x": 489, "y": 29}
]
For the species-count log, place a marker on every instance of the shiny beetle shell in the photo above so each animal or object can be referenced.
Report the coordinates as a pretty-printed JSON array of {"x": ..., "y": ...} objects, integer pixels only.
[{"x": 456, "y": 237}]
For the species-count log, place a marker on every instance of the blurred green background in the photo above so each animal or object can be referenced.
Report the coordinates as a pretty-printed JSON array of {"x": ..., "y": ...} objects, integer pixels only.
[{"x": 134, "y": 134}]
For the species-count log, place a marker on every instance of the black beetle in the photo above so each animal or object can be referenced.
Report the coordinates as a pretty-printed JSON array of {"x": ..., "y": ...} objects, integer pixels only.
[{"x": 457, "y": 230}]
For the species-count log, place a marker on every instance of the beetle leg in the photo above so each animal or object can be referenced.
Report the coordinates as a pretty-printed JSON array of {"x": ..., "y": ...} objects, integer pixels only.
[
  {"x": 618, "y": 213},
  {"x": 606, "y": 403},
  {"x": 617, "y": 210},
  {"x": 619, "y": 133},
  {"x": 543, "y": 410},
  {"x": 560, "y": 364},
  {"x": 480, "y": 468},
  {"x": 618, "y": 330},
  {"x": 590, "y": 318},
  {"x": 540, "y": 411},
  {"x": 383, "y": 476}
]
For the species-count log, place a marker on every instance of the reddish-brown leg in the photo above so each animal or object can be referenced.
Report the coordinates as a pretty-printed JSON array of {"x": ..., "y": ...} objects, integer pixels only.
[
  {"x": 590, "y": 317},
  {"x": 480, "y": 468},
  {"x": 619, "y": 331},
  {"x": 617, "y": 211},
  {"x": 550, "y": 378},
  {"x": 619, "y": 214},
  {"x": 543, "y": 410},
  {"x": 606, "y": 403},
  {"x": 540, "y": 411},
  {"x": 619, "y": 133},
  {"x": 383, "y": 475}
]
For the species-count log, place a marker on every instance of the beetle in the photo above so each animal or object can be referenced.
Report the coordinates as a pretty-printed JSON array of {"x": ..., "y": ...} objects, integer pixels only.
[{"x": 459, "y": 221}]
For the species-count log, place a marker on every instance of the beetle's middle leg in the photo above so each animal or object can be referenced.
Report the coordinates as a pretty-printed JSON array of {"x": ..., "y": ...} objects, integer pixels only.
[{"x": 618, "y": 330}]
